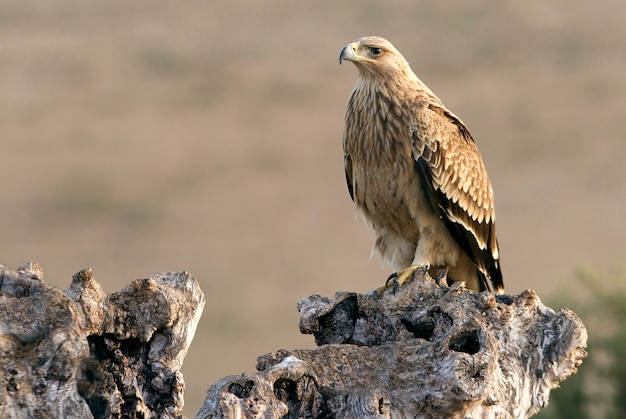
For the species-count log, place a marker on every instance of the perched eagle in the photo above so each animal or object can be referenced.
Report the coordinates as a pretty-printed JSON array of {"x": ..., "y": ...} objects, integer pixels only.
[{"x": 415, "y": 173}]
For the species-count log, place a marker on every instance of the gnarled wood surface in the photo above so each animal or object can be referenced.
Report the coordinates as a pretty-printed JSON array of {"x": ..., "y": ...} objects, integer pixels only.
[
  {"x": 424, "y": 350},
  {"x": 82, "y": 353}
]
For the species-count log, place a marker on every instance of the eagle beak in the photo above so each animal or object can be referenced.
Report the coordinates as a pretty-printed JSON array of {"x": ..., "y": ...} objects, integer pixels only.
[{"x": 349, "y": 53}]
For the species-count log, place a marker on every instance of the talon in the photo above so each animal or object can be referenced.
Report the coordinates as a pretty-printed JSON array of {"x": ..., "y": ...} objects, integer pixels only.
[
  {"x": 392, "y": 277},
  {"x": 401, "y": 277}
]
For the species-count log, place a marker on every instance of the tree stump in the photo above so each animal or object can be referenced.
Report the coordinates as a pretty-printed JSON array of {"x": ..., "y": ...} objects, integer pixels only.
[
  {"x": 423, "y": 350},
  {"x": 85, "y": 354}
]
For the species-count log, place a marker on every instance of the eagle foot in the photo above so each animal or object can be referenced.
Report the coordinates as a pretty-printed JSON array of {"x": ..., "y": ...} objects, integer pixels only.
[{"x": 401, "y": 277}]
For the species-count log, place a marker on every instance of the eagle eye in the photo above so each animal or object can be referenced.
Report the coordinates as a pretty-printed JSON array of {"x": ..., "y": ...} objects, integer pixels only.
[{"x": 376, "y": 51}]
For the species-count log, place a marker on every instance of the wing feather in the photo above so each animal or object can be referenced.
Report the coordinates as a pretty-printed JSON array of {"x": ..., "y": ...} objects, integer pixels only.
[
  {"x": 456, "y": 185},
  {"x": 347, "y": 164}
]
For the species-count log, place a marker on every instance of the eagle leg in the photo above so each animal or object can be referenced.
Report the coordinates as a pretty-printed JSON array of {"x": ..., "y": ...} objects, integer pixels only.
[{"x": 401, "y": 277}]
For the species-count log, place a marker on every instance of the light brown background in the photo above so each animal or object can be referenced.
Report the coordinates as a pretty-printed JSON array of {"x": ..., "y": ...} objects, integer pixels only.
[{"x": 206, "y": 136}]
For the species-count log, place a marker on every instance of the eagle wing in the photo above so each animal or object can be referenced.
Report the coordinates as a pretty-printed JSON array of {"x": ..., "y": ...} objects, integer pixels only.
[
  {"x": 456, "y": 185},
  {"x": 347, "y": 164}
]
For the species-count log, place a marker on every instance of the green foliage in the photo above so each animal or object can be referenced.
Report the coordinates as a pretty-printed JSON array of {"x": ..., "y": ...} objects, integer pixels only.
[{"x": 598, "y": 390}]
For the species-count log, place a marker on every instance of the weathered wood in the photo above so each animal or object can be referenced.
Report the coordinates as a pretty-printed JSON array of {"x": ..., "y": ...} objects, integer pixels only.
[
  {"x": 424, "y": 350},
  {"x": 82, "y": 353}
]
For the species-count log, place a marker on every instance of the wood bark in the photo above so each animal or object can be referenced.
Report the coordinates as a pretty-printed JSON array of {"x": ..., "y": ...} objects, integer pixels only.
[
  {"x": 422, "y": 350},
  {"x": 85, "y": 354}
]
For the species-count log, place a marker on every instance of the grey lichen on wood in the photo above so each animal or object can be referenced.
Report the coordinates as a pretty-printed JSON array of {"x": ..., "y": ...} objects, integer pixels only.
[
  {"x": 82, "y": 353},
  {"x": 424, "y": 350}
]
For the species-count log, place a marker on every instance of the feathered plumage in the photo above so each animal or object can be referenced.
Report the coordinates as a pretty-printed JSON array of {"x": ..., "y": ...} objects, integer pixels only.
[{"x": 415, "y": 173}]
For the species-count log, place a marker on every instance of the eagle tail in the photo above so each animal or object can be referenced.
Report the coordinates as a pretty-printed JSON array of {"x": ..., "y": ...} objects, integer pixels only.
[{"x": 491, "y": 280}]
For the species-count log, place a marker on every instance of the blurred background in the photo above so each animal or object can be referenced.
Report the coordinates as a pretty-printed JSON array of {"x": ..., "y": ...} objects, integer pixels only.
[{"x": 143, "y": 137}]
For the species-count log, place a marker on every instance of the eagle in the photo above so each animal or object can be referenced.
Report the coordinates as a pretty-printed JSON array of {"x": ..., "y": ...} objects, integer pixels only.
[{"x": 415, "y": 173}]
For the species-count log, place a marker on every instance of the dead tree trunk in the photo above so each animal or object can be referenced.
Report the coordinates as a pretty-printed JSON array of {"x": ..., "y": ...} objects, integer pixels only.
[
  {"x": 424, "y": 350},
  {"x": 83, "y": 354}
]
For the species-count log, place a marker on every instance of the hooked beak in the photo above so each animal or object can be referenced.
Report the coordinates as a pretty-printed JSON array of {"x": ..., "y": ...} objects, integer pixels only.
[{"x": 349, "y": 53}]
